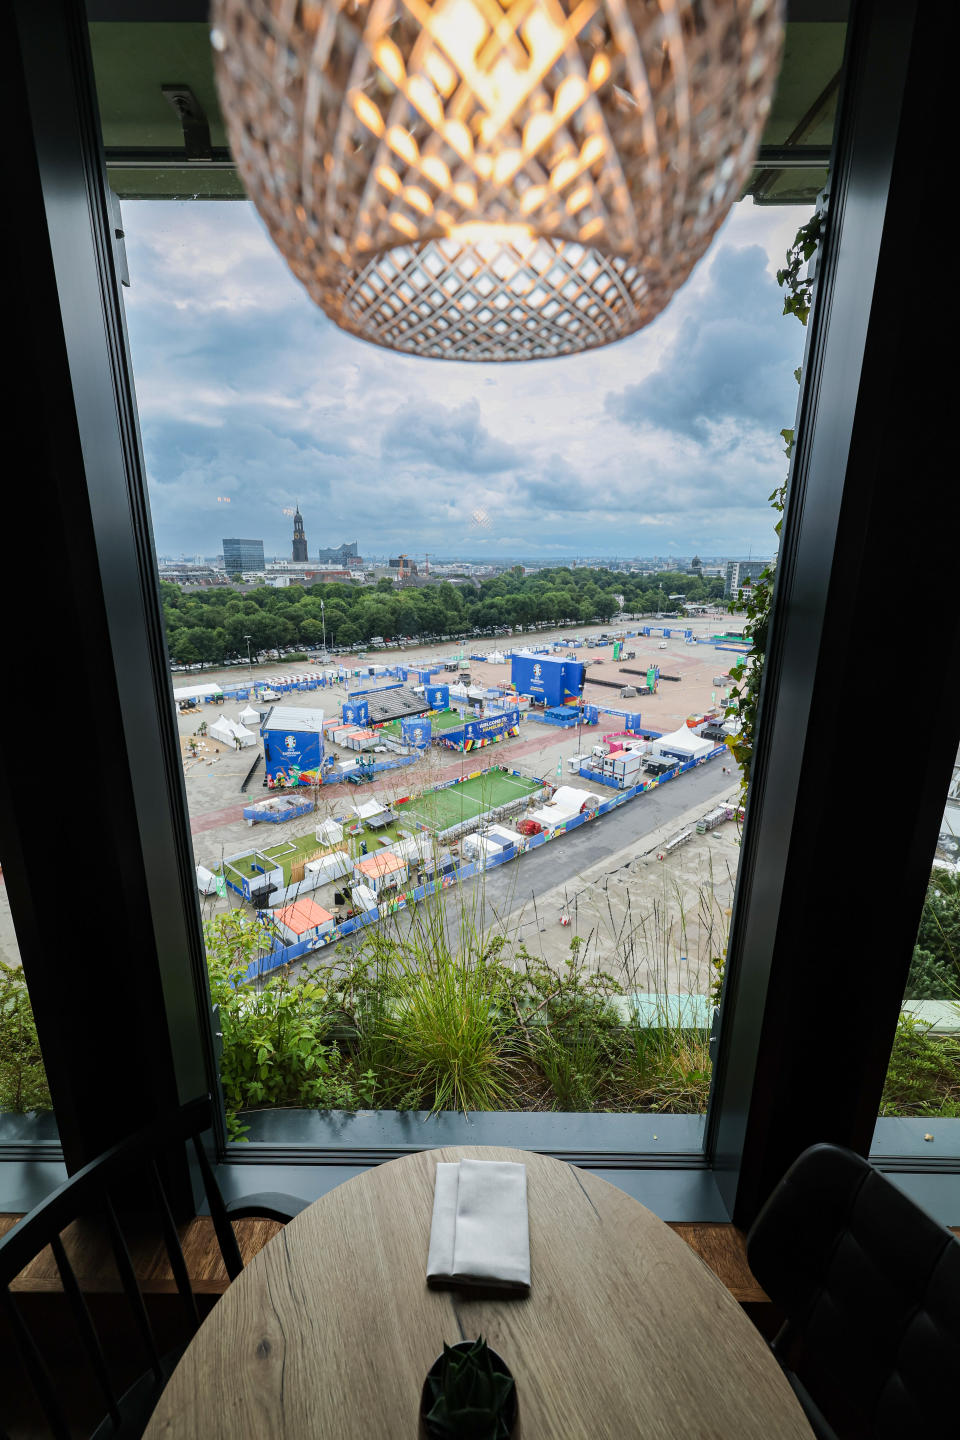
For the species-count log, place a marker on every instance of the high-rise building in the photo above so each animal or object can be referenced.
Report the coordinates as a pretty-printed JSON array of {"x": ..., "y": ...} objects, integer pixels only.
[
  {"x": 299, "y": 539},
  {"x": 740, "y": 571},
  {"x": 240, "y": 557}
]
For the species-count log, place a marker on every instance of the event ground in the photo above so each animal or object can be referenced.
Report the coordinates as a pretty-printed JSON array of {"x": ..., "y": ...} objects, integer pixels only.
[
  {"x": 213, "y": 781},
  {"x": 216, "y": 801}
]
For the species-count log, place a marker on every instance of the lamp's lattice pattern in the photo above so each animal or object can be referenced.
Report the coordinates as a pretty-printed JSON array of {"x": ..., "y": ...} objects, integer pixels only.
[
  {"x": 606, "y": 128},
  {"x": 528, "y": 299}
]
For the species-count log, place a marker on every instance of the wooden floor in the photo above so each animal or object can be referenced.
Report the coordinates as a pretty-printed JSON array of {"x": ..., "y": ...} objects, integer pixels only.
[{"x": 721, "y": 1247}]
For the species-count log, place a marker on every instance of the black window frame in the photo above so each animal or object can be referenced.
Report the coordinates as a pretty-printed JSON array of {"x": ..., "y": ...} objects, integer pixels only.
[{"x": 871, "y": 385}]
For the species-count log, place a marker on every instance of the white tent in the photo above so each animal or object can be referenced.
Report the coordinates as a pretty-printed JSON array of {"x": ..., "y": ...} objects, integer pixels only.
[
  {"x": 363, "y": 897},
  {"x": 230, "y": 731},
  {"x": 223, "y": 730},
  {"x": 415, "y": 847},
  {"x": 249, "y": 716},
  {"x": 682, "y": 742},
  {"x": 329, "y": 832},
  {"x": 206, "y": 881},
  {"x": 196, "y": 692},
  {"x": 567, "y": 801},
  {"x": 496, "y": 657},
  {"x": 368, "y": 809}
]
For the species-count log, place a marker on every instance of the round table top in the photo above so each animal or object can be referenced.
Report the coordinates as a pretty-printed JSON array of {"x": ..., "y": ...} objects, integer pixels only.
[{"x": 331, "y": 1329}]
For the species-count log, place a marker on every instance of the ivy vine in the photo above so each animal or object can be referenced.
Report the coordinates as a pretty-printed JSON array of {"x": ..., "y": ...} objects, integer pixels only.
[{"x": 748, "y": 672}]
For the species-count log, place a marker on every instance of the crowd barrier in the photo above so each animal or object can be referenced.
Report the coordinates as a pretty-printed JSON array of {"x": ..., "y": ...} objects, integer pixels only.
[
  {"x": 333, "y": 777},
  {"x": 291, "y": 811}
]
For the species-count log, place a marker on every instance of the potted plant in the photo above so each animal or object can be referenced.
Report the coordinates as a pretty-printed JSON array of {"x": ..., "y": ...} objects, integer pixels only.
[{"x": 470, "y": 1394}]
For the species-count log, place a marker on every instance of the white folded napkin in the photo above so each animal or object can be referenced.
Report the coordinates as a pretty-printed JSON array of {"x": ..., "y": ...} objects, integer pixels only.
[{"x": 480, "y": 1235}]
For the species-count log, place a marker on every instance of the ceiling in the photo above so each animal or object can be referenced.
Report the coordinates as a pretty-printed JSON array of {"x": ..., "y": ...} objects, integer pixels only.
[{"x": 136, "y": 54}]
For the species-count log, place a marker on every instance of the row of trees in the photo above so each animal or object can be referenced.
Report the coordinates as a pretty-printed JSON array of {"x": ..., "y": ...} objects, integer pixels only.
[{"x": 211, "y": 626}]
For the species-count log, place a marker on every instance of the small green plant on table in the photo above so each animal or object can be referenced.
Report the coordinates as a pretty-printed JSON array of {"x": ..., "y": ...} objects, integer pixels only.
[{"x": 469, "y": 1394}]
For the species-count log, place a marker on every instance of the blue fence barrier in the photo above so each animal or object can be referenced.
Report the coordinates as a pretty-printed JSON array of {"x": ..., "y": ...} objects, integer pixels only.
[
  {"x": 290, "y": 812},
  {"x": 397, "y": 763},
  {"x": 375, "y": 690}
]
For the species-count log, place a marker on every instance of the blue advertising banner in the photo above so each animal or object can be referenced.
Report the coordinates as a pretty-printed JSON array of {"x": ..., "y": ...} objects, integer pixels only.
[
  {"x": 438, "y": 697},
  {"x": 492, "y": 725},
  {"x": 415, "y": 731},
  {"x": 355, "y": 712},
  {"x": 591, "y": 715}
]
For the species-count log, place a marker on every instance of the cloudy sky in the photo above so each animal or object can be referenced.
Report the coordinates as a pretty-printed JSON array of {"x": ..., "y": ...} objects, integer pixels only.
[{"x": 251, "y": 400}]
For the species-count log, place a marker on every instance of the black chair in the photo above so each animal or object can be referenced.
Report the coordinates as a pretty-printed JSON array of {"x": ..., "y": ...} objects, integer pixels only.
[
  {"x": 116, "y": 1196},
  {"x": 870, "y": 1286}
]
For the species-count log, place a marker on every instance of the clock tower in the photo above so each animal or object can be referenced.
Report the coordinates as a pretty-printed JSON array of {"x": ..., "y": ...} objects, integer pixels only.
[{"x": 299, "y": 539}]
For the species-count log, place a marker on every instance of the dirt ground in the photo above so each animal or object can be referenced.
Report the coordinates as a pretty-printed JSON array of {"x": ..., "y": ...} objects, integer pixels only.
[
  {"x": 216, "y": 801},
  {"x": 652, "y": 923}
]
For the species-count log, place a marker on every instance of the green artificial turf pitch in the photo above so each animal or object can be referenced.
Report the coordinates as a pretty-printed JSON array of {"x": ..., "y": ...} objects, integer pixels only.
[{"x": 442, "y": 809}]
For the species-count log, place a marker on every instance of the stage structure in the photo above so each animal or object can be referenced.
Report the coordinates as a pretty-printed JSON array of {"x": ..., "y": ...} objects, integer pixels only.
[{"x": 547, "y": 680}]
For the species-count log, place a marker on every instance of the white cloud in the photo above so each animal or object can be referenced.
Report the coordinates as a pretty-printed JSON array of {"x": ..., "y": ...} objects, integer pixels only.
[{"x": 242, "y": 382}]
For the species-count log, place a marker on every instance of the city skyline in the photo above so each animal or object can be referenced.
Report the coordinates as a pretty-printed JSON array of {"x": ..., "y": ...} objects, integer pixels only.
[{"x": 252, "y": 402}]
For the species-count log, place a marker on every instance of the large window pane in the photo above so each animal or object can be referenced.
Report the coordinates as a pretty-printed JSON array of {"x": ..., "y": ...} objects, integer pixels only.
[
  {"x": 23, "y": 1081},
  {"x": 327, "y": 510},
  {"x": 263, "y": 421},
  {"x": 923, "y": 1078}
]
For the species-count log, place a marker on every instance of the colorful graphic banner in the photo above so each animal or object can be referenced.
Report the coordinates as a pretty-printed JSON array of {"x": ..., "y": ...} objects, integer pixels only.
[
  {"x": 292, "y": 756},
  {"x": 492, "y": 725},
  {"x": 415, "y": 731}
]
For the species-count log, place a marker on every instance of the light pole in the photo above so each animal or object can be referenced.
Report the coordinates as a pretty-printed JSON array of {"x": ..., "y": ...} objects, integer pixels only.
[
  {"x": 249, "y": 658},
  {"x": 323, "y": 622}
]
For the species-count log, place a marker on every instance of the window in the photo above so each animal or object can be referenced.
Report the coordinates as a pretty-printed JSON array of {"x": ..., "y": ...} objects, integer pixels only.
[
  {"x": 768, "y": 1098},
  {"x": 237, "y": 375},
  {"x": 920, "y": 1107}
]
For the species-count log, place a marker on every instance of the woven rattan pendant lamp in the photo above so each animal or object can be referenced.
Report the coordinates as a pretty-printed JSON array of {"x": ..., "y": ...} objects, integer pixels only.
[{"x": 494, "y": 179}]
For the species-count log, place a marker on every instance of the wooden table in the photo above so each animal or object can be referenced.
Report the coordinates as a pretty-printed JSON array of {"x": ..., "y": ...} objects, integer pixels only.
[{"x": 330, "y": 1331}]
